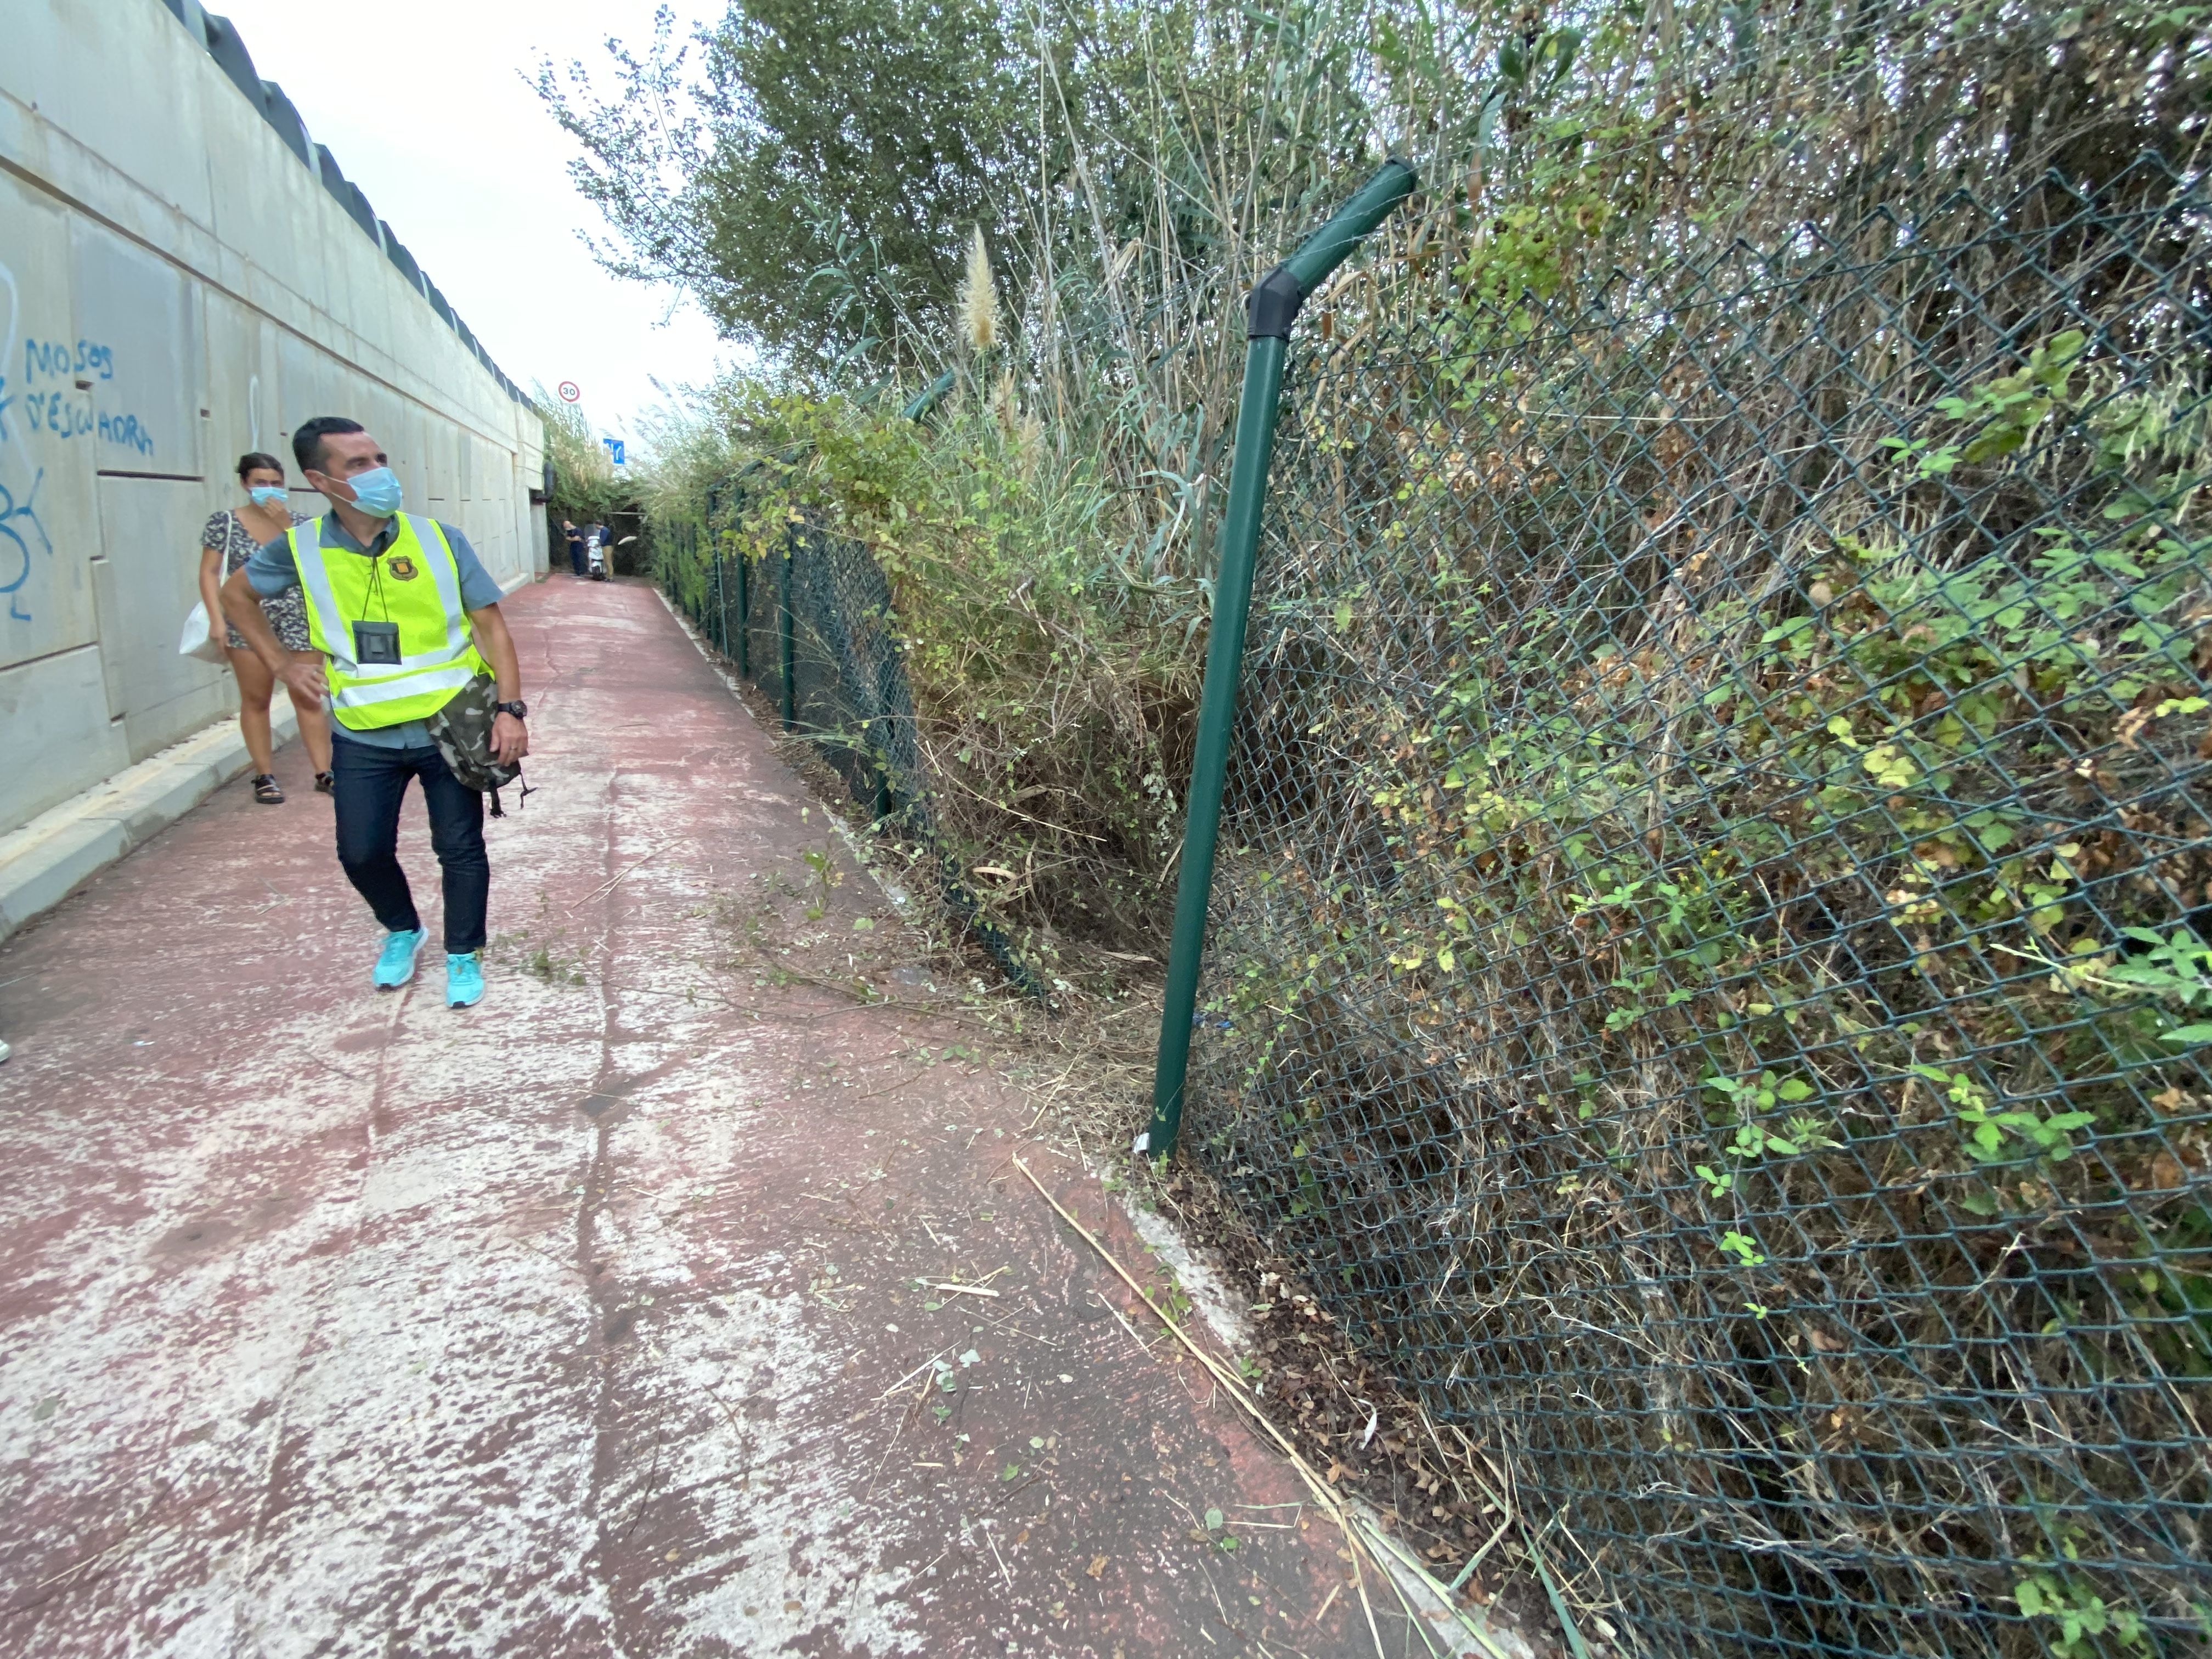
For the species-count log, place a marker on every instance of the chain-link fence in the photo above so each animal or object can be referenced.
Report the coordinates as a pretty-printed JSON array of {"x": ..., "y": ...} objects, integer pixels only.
[
  {"x": 1708, "y": 958},
  {"x": 811, "y": 623}
]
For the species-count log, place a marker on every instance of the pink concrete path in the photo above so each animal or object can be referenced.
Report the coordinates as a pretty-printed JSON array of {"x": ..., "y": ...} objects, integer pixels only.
[{"x": 591, "y": 1322}]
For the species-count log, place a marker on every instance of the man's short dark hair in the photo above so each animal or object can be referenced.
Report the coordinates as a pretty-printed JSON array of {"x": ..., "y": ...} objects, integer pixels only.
[{"x": 307, "y": 446}]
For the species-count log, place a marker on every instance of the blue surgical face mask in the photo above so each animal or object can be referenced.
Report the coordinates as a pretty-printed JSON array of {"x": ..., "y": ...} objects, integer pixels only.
[
  {"x": 376, "y": 492},
  {"x": 267, "y": 495}
]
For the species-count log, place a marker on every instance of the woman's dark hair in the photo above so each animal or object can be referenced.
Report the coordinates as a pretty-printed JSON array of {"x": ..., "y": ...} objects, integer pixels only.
[{"x": 254, "y": 461}]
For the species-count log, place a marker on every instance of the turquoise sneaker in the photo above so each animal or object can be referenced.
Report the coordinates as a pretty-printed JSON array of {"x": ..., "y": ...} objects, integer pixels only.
[
  {"x": 464, "y": 980},
  {"x": 396, "y": 966}
]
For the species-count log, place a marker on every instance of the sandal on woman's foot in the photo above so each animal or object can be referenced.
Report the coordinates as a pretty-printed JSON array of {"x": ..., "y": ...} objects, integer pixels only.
[
  {"x": 325, "y": 782},
  {"x": 265, "y": 790}
]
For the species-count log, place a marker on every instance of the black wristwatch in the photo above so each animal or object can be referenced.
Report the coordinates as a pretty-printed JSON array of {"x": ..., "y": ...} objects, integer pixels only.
[{"x": 518, "y": 708}]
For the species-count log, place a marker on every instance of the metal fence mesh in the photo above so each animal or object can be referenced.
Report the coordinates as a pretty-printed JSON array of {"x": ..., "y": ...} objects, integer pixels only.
[
  {"x": 1708, "y": 959},
  {"x": 811, "y": 623}
]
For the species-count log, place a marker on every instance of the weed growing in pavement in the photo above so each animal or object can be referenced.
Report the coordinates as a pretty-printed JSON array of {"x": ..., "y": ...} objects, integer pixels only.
[
  {"x": 555, "y": 965},
  {"x": 825, "y": 877},
  {"x": 543, "y": 950}
]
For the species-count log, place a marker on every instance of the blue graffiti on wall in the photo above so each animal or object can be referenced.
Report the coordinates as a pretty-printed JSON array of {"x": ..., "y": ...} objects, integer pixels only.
[
  {"x": 55, "y": 414},
  {"x": 64, "y": 411},
  {"x": 124, "y": 430},
  {"x": 51, "y": 413},
  {"x": 58, "y": 411},
  {"x": 14, "y": 519},
  {"x": 17, "y": 518},
  {"x": 59, "y": 361}
]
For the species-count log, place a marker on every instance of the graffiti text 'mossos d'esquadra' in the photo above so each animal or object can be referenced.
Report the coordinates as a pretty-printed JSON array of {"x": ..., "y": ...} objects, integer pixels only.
[{"x": 55, "y": 412}]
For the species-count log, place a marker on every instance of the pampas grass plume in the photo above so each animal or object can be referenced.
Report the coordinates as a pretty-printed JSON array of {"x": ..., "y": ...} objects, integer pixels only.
[{"x": 979, "y": 298}]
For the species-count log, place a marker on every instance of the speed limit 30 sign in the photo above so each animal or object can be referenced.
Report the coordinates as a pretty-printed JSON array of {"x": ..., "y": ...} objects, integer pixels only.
[{"x": 569, "y": 392}]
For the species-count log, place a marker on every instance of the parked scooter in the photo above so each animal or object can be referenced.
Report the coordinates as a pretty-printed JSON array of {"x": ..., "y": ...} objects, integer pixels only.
[{"x": 595, "y": 560}]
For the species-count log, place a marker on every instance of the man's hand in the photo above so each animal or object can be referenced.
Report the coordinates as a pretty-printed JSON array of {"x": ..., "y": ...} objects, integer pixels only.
[
  {"x": 510, "y": 738},
  {"x": 305, "y": 679}
]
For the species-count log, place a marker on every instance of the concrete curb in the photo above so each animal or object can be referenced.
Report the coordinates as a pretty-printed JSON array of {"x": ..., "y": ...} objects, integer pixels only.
[{"x": 58, "y": 852}]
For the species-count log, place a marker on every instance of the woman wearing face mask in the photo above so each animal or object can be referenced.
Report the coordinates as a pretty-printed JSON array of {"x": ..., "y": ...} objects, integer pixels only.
[{"x": 227, "y": 541}]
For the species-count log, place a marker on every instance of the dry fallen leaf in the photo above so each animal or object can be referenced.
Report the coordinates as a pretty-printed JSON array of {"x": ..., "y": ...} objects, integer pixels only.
[{"x": 1097, "y": 1565}]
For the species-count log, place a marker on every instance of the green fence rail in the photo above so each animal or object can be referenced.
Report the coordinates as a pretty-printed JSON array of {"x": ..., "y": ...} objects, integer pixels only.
[
  {"x": 1271, "y": 309},
  {"x": 810, "y": 624},
  {"x": 1707, "y": 966}
]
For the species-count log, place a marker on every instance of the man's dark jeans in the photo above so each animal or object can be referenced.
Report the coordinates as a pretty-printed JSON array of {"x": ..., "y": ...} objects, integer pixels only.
[
  {"x": 576, "y": 557},
  {"x": 371, "y": 782}
]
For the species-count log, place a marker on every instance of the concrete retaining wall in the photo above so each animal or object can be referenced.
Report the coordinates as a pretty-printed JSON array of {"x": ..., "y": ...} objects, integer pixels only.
[{"x": 184, "y": 275}]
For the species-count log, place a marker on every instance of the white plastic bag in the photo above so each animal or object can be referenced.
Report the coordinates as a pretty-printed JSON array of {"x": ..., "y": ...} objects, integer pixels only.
[{"x": 198, "y": 640}]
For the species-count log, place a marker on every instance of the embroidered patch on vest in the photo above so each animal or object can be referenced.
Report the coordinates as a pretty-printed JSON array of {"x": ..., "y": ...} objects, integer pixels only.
[{"x": 402, "y": 569}]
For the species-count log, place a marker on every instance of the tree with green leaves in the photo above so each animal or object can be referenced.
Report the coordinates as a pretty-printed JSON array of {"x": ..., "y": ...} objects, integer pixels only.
[{"x": 808, "y": 170}]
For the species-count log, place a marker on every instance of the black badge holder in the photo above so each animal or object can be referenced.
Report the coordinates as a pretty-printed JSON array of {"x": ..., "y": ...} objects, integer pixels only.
[{"x": 376, "y": 644}]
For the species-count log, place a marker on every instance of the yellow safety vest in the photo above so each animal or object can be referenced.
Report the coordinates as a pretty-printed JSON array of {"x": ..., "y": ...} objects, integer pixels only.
[{"x": 415, "y": 582}]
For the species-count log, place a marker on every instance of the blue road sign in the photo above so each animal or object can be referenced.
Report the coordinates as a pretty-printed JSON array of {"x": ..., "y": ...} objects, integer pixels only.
[{"x": 614, "y": 449}]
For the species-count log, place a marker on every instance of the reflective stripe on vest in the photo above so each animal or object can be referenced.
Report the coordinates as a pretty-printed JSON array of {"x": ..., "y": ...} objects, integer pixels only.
[{"x": 336, "y": 583}]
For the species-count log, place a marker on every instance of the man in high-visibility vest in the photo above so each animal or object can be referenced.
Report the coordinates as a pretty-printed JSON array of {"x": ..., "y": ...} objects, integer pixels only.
[{"x": 404, "y": 617}]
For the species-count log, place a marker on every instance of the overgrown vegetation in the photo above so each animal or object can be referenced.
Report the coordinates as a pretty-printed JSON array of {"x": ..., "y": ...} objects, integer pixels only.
[
  {"x": 1051, "y": 697},
  {"x": 1717, "y": 865},
  {"x": 1711, "y": 967},
  {"x": 586, "y": 488}
]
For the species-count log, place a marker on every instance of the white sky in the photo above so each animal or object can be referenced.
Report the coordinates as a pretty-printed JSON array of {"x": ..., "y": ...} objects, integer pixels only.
[{"x": 424, "y": 104}]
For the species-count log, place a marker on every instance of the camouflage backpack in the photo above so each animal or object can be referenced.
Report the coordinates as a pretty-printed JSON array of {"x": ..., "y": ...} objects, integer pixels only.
[{"x": 462, "y": 730}]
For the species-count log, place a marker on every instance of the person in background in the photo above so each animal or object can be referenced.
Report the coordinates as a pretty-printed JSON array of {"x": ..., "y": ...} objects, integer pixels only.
[
  {"x": 575, "y": 545},
  {"x": 406, "y": 618},
  {"x": 226, "y": 543}
]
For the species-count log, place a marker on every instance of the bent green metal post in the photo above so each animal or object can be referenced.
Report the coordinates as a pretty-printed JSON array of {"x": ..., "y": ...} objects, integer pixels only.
[{"x": 1272, "y": 306}]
